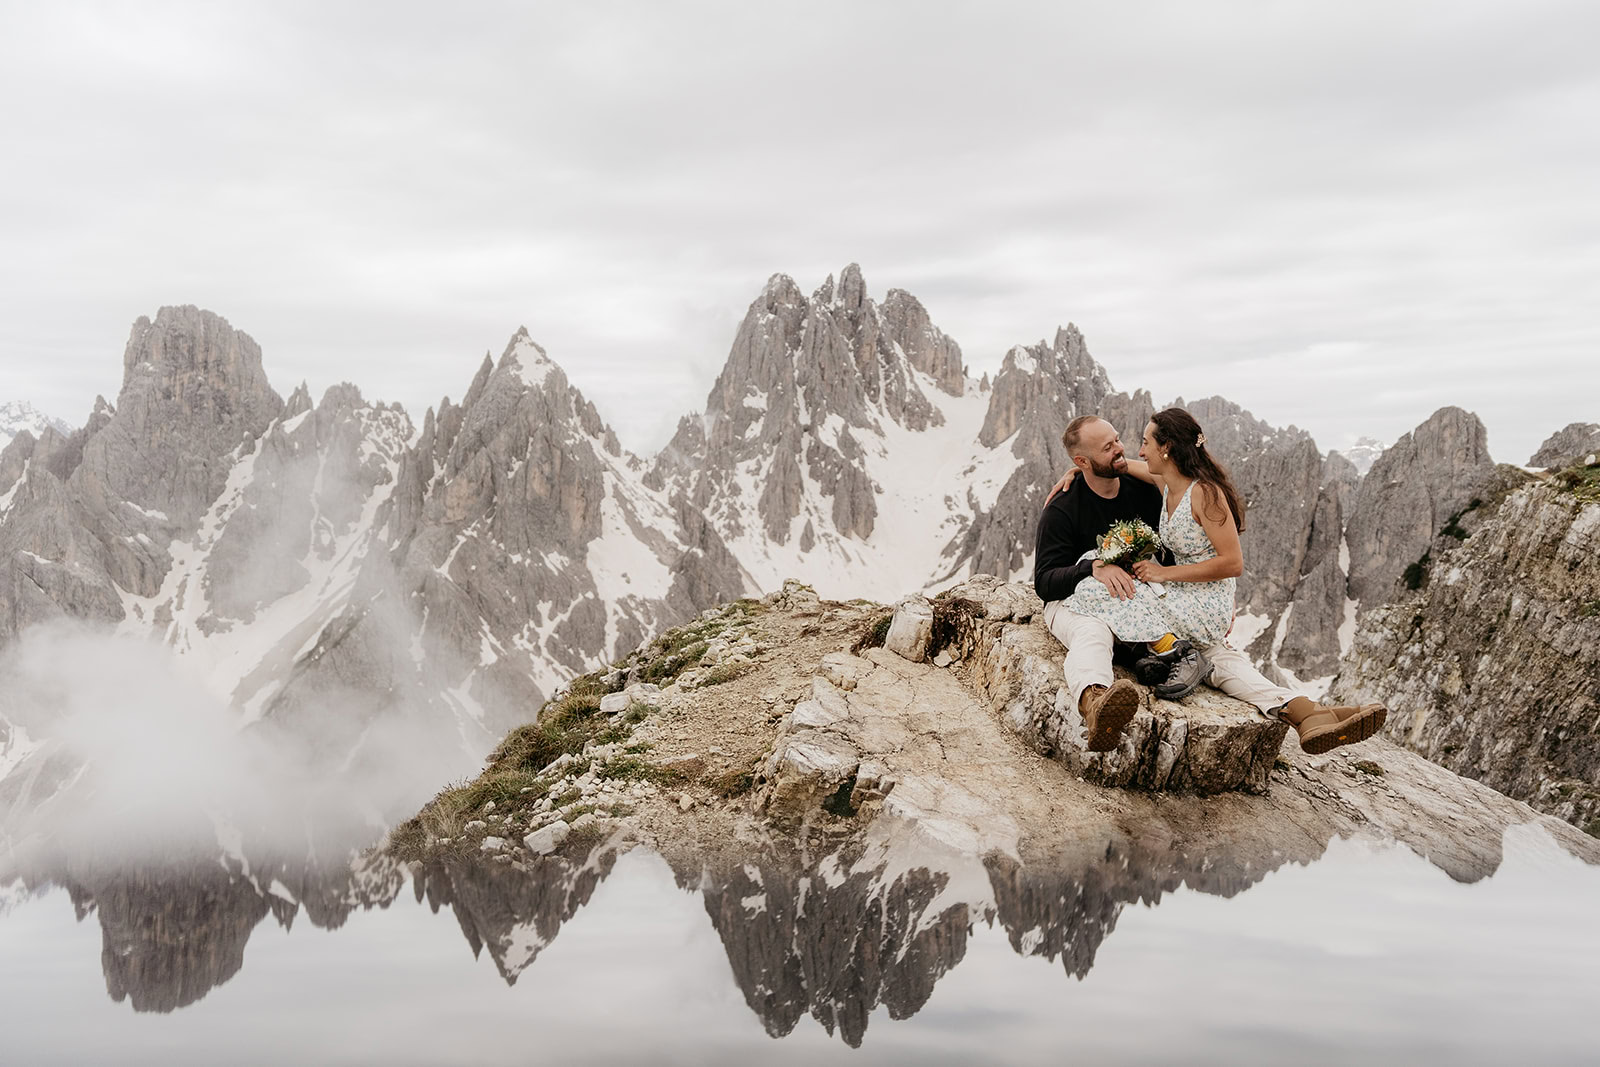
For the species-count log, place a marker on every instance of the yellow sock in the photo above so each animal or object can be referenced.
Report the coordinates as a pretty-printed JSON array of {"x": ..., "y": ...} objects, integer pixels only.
[{"x": 1163, "y": 644}]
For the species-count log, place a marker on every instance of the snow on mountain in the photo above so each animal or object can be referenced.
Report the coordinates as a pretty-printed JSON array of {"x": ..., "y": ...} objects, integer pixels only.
[{"x": 19, "y": 415}]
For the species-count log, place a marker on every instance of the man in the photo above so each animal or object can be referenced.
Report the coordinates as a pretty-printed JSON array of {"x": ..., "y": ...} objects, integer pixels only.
[{"x": 1071, "y": 525}]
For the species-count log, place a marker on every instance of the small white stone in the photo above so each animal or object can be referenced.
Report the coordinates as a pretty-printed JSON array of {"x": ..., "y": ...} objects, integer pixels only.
[
  {"x": 685, "y": 801},
  {"x": 475, "y": 825},
  {"x": 614, "y": 703},
  {"x": 545, "y": 839},
  {"x": 492, "y": 844},
  {"x": 943, "y": 659}
]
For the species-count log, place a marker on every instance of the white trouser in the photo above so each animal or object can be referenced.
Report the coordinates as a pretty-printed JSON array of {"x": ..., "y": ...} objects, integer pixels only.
[
  {"x": 1088, "y": 642},
  {"x": 1088, "y": 661},
  {"x": 1234, "y": 674}
]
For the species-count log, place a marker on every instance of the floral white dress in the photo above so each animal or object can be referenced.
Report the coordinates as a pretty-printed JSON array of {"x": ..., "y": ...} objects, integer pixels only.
[{"x": 1198, "y": 611}]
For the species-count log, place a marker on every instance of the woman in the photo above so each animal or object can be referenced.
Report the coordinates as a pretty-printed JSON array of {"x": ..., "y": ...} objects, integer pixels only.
[{"x": 1200, "y": 522}]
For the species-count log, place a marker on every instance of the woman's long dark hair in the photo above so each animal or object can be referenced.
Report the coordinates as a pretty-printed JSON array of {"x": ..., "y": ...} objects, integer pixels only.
[{"x": 1183, "y": 445}]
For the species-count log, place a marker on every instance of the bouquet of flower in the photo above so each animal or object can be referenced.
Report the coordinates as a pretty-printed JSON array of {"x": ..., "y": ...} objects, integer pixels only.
[{"x": 1129, "y": 541}]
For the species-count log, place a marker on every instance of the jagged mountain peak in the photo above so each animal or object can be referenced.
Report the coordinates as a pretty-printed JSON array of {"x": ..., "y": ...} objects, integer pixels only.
[
  {"x": 529, "y": 359},
  {"x": 1573, "y": 443},
  {"x": 299, "y": 401}
]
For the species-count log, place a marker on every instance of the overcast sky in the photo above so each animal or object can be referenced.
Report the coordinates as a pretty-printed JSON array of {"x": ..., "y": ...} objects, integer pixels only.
[{"x": 1342, "y": 216}]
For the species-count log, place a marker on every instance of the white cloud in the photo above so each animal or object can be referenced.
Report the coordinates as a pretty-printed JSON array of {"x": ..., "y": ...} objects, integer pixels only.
[{"x": 1214, "y": 194}]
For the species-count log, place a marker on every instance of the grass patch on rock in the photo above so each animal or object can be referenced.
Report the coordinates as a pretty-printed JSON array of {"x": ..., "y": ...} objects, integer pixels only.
[
  {"x": 634, "y": 769},
  {"x": 873, "y": 634},
  {"x": 1582, "y": 482},
  {"x": 726, "y": 672},
  {"x": 955, "y": 623},
  {"x": 731, "y": 784},
  {"x": 569, "y": 723}
]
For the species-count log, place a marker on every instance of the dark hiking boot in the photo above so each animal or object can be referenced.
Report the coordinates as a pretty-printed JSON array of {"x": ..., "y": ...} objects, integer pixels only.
[
  {"x": 1324, "y": 728},
  {"x": 1189, "y": 668},
  {"x": 1107, "y": 712}
]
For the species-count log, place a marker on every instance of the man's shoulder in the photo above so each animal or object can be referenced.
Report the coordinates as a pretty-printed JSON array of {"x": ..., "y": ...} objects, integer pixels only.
[{"x": 1138, "y": 488}]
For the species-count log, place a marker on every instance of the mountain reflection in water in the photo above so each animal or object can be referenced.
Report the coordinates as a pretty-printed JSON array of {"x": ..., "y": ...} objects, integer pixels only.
[{"x": 866, "y": 925}]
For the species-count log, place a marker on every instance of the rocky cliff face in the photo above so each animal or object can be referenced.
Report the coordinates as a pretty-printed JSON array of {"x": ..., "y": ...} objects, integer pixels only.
[
  {"x": 1409, "y": 495},
  {"x": 1572, "y": 444},
  {"x": 520, "y": 547},
  {"x": 1491, "y": 663}
]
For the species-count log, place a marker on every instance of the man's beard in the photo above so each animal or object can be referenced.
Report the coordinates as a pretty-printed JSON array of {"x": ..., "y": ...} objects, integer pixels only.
[{"x": 1110, "y": 469}]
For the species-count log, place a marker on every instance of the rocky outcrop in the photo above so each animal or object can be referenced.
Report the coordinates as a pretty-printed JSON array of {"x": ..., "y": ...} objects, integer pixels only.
[
  {"x": 1209, "y": 743},
  {"x": 1572, "y": 444},
  {"x": 1491, "y": 662},
  {"x": 1409, "y": 496}
]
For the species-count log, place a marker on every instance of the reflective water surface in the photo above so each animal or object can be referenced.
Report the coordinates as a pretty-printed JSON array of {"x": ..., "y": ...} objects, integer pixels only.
[{"x": 873, "y": 953}]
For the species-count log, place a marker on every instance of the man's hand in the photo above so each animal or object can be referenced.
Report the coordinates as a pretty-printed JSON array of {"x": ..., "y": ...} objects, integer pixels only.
[
  {"x": 1116, "y": 580},
  {"x": 1063, "y": 485}
]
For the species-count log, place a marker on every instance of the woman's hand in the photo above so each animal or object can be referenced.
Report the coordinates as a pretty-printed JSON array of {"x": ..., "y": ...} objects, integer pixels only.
[
  {"x": 1063, "y": 485},
  {"x": 1148, "y": 570}
]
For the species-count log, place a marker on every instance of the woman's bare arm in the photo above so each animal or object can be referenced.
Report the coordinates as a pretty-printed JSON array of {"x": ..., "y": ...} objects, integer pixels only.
[
  {"x": 1211, "y": 512},
  {"x": 1136, "y": 467}
]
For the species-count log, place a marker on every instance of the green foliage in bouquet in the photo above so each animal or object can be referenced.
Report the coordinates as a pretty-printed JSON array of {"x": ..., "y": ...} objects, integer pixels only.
[{"x": 1128, "y": 542}]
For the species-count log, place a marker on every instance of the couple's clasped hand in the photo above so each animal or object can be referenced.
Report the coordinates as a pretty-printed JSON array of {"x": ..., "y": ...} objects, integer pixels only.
[
  {"x": 1116, "y": 579},
  {"x": 1120, "y": 583}
]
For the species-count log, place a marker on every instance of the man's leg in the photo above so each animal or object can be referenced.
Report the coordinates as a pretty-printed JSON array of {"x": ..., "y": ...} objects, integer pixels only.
[
  {"x": 1319, "y": 727},
  {"x": 1106, "y": 705},
  {"x": 1234, "y": 674},
  {"x": 1088, "y": 644}
]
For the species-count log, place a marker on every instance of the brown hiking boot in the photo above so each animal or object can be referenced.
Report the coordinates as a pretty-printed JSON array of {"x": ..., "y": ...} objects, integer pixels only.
[
  {"x": 1107, "y": 712},
  {"x": 1322, "y": 729}
]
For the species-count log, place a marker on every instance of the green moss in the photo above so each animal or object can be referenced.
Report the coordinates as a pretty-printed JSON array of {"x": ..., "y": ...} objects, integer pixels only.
[
  {"x": 1366, "y": 766},
  {"x": 1590, "y": 610},
  {"x": 874, "y": 633},
  {"x": 1593, "y": 829},
  {"x": 566, "y": 798}
]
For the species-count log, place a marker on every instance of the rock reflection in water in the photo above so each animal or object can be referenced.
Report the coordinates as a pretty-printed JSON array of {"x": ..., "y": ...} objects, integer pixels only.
[
  {"x": 514, "y": 911},
  {"x": 835, "y": 938},
  {"x": 173, "y": 931},
  {"x": 835, "y": 928}
]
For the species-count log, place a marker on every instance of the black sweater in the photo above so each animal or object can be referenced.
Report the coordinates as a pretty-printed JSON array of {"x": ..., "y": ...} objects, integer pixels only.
[{"x": 1072, "y": 524}]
